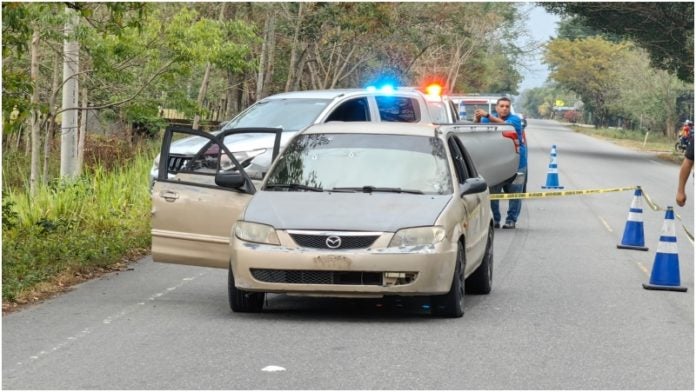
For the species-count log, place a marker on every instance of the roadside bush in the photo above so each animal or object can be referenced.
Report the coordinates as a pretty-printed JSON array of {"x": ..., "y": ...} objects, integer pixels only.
[
  {"x": 91, "y": 222},
  {"x": 571, "y": 116}
]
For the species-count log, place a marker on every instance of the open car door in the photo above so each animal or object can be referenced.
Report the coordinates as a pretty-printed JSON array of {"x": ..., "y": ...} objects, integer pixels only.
[{"x": 197, "y": 198}]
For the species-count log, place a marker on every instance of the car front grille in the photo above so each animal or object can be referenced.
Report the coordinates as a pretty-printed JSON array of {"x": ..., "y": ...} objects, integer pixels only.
[
  {"x": 319, "y": 241},
  {"x": 318, "y": 277},
  {"x": 177, "y": 162}
]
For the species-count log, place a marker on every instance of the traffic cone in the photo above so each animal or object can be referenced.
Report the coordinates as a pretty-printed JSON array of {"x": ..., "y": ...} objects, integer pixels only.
[
  {"x": 665, "y": 271},
  {"x": 633, "y": 237},
  {"x": 552, "y": 174}
]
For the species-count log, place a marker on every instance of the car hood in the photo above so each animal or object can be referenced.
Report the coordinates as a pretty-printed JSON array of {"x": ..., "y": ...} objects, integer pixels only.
[{"x": 384, "y": 212}]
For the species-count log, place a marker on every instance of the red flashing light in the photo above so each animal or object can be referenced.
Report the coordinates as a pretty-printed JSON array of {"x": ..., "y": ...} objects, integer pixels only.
[{"x": 434, "y": 89}]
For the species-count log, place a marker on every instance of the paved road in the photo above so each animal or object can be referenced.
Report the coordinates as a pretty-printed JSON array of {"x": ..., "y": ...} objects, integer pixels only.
[{"x": 567, "y": 311}]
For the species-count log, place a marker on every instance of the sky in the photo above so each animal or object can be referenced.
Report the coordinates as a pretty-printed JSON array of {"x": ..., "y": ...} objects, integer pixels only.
[{"x": 541, "y": 25}]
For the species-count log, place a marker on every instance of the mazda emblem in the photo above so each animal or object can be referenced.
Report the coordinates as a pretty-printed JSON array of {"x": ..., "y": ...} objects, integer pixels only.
[{"x": 333, "y": 241}]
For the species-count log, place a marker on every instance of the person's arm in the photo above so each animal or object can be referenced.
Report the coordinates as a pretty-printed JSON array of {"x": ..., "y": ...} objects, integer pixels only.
[{"x": 684, "y": 171}]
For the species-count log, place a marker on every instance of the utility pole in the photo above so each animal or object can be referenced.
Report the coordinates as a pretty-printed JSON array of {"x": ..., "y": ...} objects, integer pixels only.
[{"x": 68, "y": 128}]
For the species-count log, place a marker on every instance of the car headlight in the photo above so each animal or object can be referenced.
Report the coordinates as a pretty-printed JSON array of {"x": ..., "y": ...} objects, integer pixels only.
[
  {"x": 256, "y": 232},
  {"x": 418, "y": 236}
]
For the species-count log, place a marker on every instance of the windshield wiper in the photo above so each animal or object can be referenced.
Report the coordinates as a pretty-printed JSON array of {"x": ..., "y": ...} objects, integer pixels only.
[
  {"x": 370, "y": 189},
  {"x": 294, "y": 187}
]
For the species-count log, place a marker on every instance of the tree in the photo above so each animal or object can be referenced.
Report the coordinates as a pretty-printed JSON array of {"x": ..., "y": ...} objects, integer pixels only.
[
  {"x": 664, "y": 29},
  {"x": 651, "y": 100},
  {"x": 590, "y": 67}
]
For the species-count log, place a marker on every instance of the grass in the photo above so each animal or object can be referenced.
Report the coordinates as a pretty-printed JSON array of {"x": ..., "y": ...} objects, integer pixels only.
[
  {"x": 73, "y": 229},
  {"x": 655, "y": 142}
]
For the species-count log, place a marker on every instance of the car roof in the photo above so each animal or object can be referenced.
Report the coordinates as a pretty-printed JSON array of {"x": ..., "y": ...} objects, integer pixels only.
[
  {"x": 336, "y": 93},
  {"x": 371, "y": 127}
]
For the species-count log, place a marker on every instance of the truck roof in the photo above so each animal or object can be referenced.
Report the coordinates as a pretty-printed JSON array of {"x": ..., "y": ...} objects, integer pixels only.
[{"x": 391, "y": 128}]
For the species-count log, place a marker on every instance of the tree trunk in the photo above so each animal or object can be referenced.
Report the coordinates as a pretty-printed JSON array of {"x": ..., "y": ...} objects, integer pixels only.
[
  {"x": 270, "y": 63},
  {"x": 292, "y": 68},
  {"x": 50, "y": 127},
  {"x": 266, "y": 46},
  {"x": 300, "y": 69},
  {"x": 35, "y": 123},
  {"x": 232, "y": 94},
  {"x": 71, "y": 50},
  {"x": 83, "y": 134},
  {"x": 204, "y": 86},
  {"x": 201, "y": 95}
]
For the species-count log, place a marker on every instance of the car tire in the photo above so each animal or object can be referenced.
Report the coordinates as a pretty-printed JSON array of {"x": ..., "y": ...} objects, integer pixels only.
[
  {"x": 243, "y": 301},
  {"x": 481, "y": 281},
  {"x": 452, "y": 303}
]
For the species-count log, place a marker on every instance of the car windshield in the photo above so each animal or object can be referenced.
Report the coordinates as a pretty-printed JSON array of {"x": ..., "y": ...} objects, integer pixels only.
[
  {"x": 289, "y": 114},
  {"x": 363, "y": 163}
]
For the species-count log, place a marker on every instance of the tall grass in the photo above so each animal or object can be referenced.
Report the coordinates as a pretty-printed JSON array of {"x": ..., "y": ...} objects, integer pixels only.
[{"x": 91, "y": 222}]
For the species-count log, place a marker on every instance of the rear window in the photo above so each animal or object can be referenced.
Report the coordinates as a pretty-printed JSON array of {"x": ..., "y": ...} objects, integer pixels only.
[{"x": 398, "y": 109}]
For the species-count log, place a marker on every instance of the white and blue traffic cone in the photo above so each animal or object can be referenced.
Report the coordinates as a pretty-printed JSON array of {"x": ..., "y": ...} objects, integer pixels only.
[
  {"x": 552, "y": 174},
  {"x": 665, "y": 271},
  {"x": 633, "y": 236}
]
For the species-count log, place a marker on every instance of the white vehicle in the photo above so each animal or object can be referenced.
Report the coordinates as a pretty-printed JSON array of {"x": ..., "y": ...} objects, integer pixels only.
[{"x": 294, "y": 111}]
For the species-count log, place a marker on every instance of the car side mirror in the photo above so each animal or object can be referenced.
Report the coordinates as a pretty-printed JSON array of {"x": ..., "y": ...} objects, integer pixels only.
[
  {"x": 230, "y": 180},
  {"x": 473, "y": 185}
]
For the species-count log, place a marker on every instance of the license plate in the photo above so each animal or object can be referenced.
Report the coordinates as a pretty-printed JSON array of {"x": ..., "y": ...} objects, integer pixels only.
[{"x": 332, "y": 261}]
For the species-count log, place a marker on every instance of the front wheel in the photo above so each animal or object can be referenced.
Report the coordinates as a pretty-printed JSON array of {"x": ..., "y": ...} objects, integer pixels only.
[
  {"x": 678, "y": 147},
  {"x": 481, "y": 281},
  {"x": 452, "y": 303},
  {"x": 243, "y": 301}
]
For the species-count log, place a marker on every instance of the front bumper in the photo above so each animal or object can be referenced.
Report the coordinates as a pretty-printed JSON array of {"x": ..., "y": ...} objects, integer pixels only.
[{"x": 372, "y": 272}]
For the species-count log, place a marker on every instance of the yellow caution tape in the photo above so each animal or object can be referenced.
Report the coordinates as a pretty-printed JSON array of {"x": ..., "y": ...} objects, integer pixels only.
[
  {"x": 540, "y": 195},
  {"x": 656, "y": 207}
]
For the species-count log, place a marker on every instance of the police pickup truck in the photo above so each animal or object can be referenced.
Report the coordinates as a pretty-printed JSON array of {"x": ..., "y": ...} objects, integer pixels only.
[{"x": 492, "y": 147}]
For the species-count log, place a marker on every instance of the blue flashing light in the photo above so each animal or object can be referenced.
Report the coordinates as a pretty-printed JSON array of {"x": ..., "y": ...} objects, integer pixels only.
[
  {"x": 387, "y": 88},
  {"x": 371, "y": 88}
]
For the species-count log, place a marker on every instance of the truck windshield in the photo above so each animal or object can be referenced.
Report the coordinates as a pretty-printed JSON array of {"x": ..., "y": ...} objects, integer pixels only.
[
  {"x": 411, "y": 164},
  {"x": 289, "y": 114}
]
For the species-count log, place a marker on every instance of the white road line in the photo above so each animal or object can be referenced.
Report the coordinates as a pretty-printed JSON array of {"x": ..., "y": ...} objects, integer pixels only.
[
  {"x": 273, "y": 368},
  {"x": 604, "y": 222},
  {"x": 642, "y": 268}
]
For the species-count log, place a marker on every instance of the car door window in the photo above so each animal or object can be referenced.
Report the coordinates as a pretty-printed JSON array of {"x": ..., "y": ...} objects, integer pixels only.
[
  {"x": 200, "y": 166},
  {"x": 467, "y": 162},
  {"x": 196, "y": 158},
  {"x": 397, "y": 109},
  {"x": 352, "y": 110},
  {"x": 458, "y": 159}
]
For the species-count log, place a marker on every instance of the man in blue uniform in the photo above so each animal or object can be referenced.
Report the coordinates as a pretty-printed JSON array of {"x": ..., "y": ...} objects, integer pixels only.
[{"x": 503, "y": 115}]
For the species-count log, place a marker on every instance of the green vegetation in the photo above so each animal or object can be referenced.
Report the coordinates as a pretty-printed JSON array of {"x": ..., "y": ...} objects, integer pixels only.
[
  {"x": 664, "y": 29},
  {"x": 72, "y": 227},
  {"x": 629, "y": 65}
]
